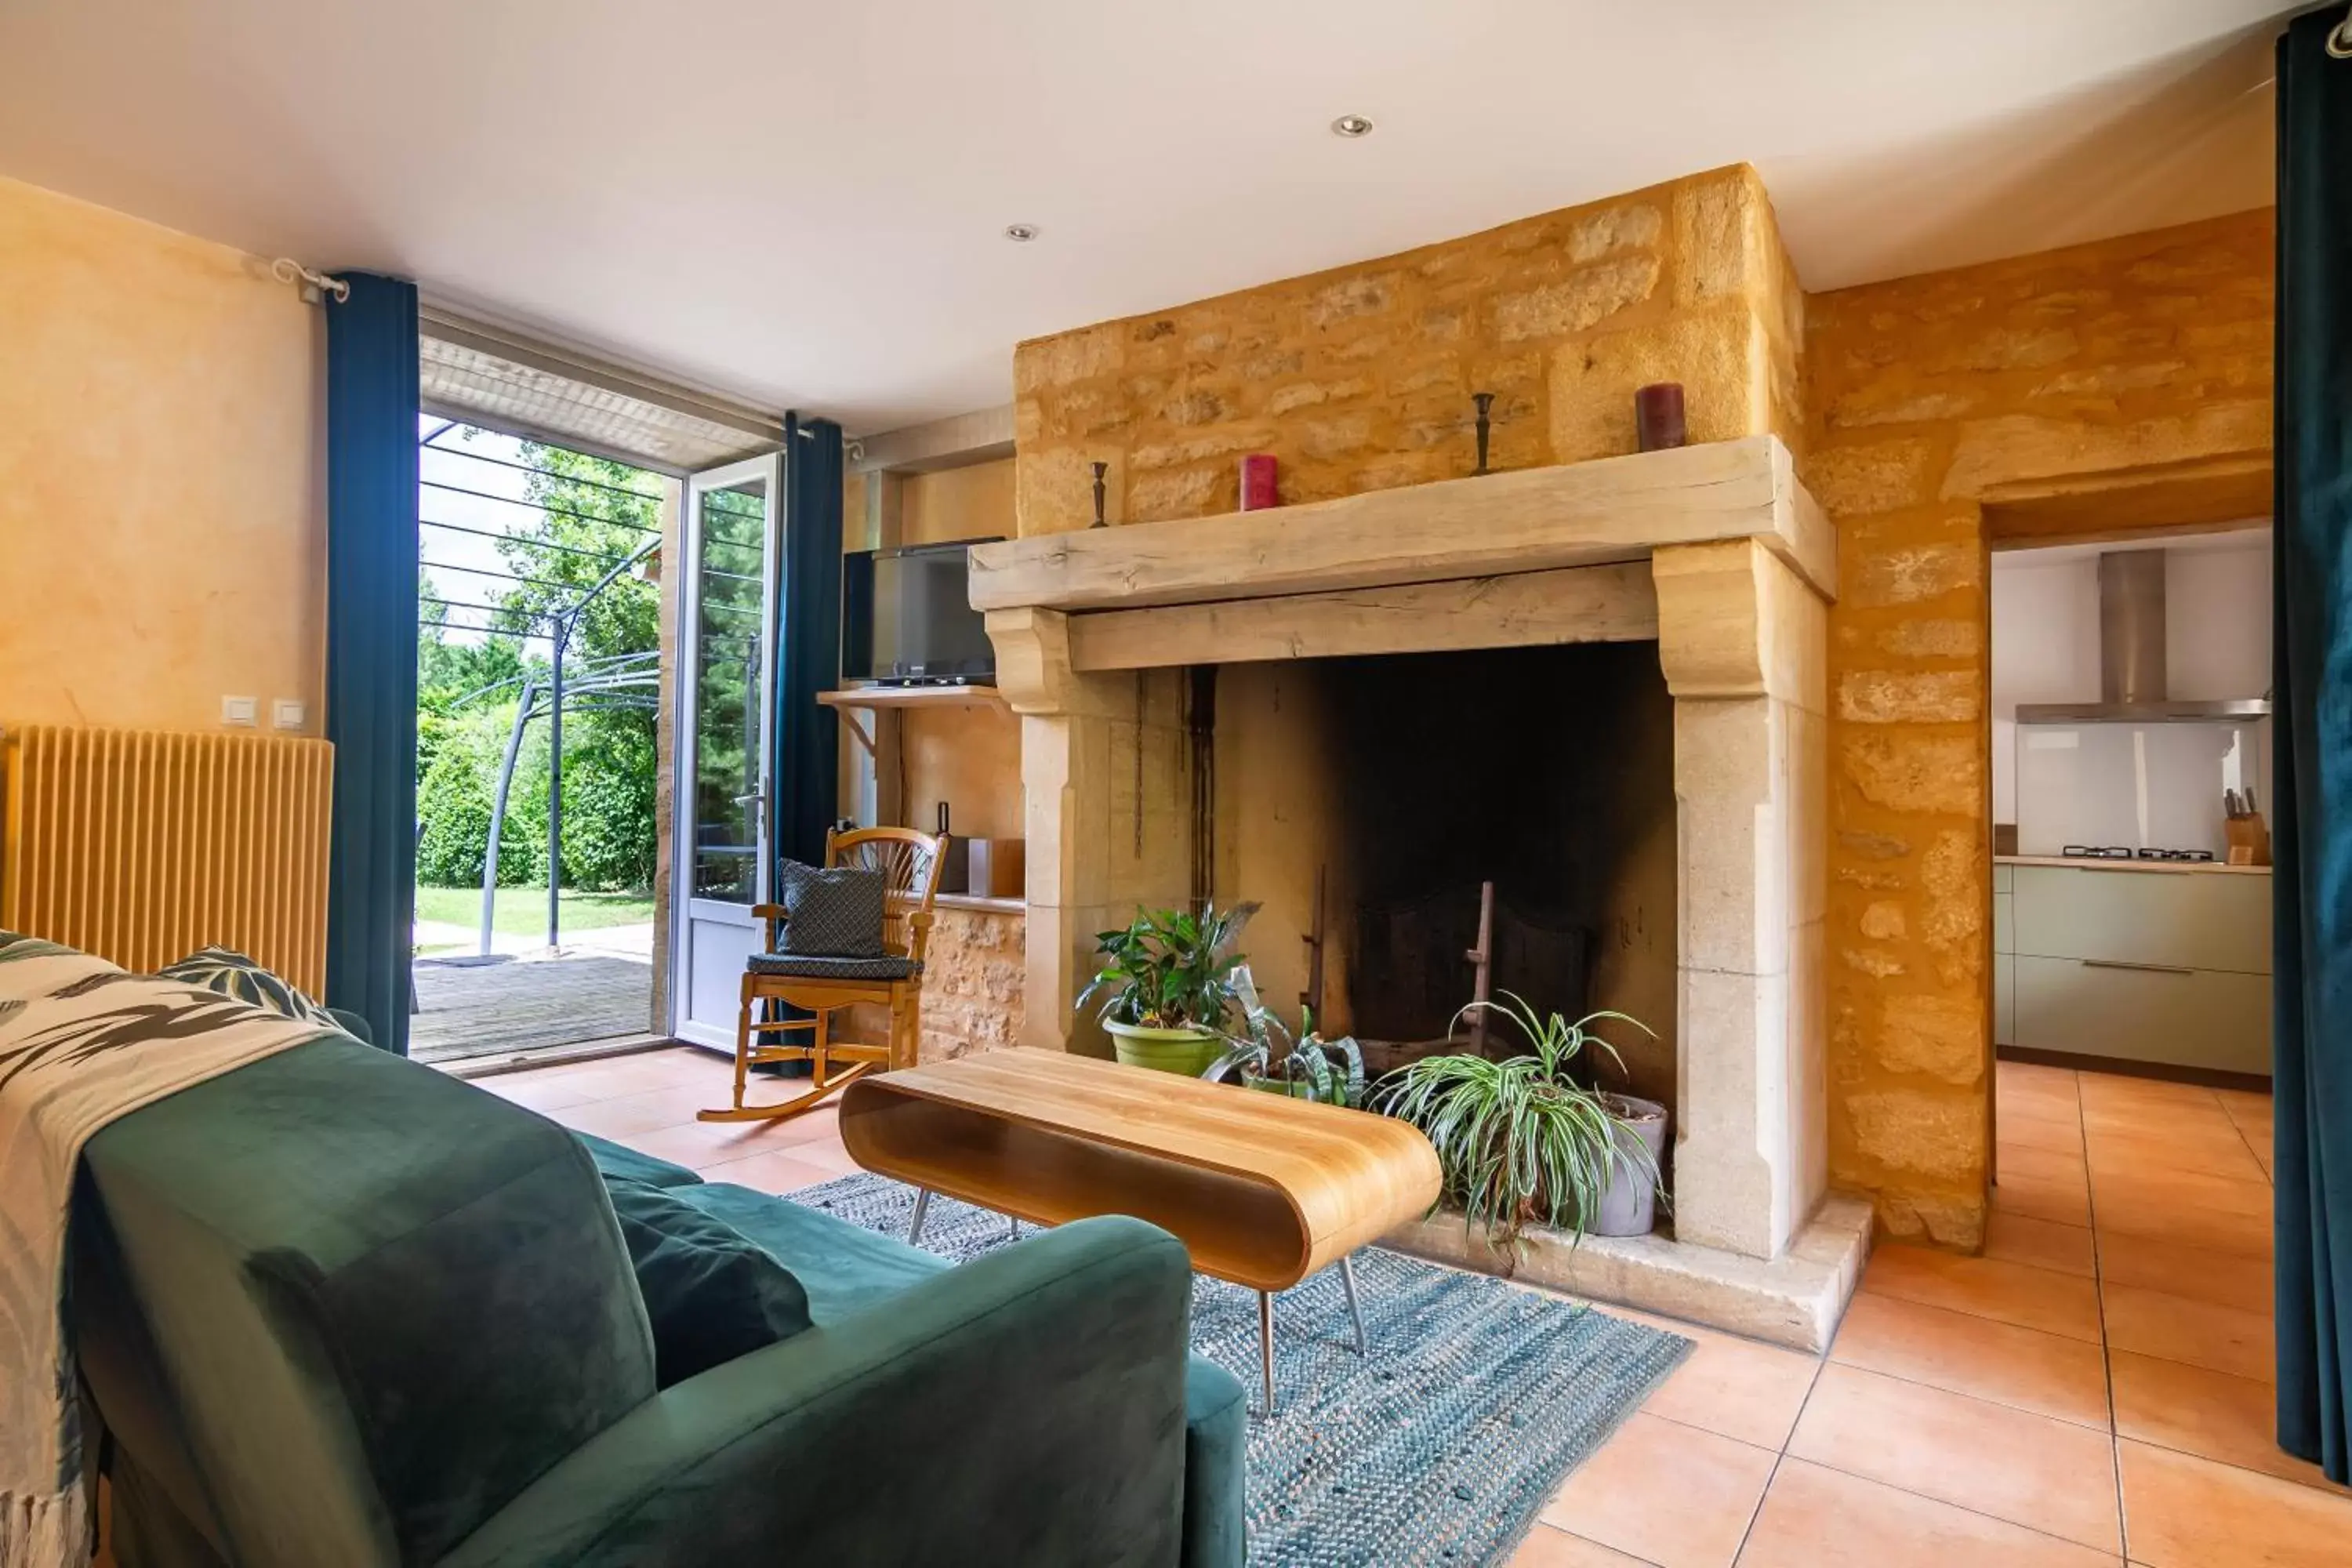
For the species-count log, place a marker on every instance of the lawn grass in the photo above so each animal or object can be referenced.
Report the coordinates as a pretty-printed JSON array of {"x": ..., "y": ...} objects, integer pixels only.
[{"x": 521, "y": 911}]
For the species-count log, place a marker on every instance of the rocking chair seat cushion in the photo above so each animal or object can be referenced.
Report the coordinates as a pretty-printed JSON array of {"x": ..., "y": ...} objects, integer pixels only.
[
  {"x": 837, "y": 913},
  {"x": 818, "y": 967}
]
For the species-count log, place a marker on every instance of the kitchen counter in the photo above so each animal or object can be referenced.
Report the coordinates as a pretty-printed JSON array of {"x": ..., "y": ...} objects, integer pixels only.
[{"x": 2086, "y": 863}]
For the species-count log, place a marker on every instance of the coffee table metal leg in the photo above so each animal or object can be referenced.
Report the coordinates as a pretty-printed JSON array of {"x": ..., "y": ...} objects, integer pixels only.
[
  {"x": 1266, "y": 1345},
  {"x": 922, "y": 1207},
  {"x": 1355, "y": 1313}
]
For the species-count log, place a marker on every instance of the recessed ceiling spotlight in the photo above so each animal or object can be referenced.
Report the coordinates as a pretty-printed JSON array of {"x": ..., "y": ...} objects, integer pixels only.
[
  {"x": 1021, "y": 233},
  {"x": 1351, "y": 126}
]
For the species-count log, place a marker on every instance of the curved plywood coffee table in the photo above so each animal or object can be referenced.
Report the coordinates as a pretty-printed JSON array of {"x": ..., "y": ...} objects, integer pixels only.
[{"x": 1262, "y": 1190}]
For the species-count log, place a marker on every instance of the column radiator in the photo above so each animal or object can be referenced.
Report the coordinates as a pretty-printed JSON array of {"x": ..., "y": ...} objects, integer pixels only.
[{"x": 141, "y": 845}]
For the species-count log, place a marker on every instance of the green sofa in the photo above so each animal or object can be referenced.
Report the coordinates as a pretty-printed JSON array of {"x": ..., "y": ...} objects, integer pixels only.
[{"x": 337, "y": 1308}]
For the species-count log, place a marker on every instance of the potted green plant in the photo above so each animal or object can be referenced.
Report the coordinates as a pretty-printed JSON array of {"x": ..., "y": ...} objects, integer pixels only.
[
  {"x": 1168, "y": 985},
  {"x": 1266, "y": 1058},
  {"x": 1521, "y": 1143}
]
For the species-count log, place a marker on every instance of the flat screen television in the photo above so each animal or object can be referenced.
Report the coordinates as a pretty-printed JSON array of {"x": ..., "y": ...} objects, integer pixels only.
[{"x": 907, "y": 618}]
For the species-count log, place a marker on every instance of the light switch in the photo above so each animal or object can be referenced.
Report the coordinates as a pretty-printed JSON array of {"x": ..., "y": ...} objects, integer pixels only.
[
  {"x": 286, "y": 713},
  {"x": 239, "y": 709}
]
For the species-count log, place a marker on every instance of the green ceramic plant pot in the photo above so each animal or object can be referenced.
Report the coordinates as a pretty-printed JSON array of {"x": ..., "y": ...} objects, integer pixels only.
[
  {"x": 1188, "y": 1051},
  {"x": 1290, "y": 1088}
]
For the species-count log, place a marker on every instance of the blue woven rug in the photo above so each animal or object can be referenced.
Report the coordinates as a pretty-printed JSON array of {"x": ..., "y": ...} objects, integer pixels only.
[{"x": 1478, "y": 1400}]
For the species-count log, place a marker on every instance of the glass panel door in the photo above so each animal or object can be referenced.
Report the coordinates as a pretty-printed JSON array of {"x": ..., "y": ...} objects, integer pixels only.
[{"x": 726, "y": 673}]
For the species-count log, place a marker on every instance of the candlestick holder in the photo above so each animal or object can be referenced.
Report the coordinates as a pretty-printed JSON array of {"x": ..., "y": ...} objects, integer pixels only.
[
  {"x": 1100, "y": 469},
  {"x": 1257, "y": 486},
  {"x": 1485, "y": 402},
  {"x": 1658, "y": 421}
]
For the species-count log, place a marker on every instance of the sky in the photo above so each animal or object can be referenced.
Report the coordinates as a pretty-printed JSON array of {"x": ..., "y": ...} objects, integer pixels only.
[{"x": 446, "y": 555}]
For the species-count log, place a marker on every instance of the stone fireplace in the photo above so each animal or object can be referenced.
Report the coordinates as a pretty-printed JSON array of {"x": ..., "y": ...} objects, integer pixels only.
[
  {"x": 1712, "y": 556},
  {"x": 1400, "y": 786}
]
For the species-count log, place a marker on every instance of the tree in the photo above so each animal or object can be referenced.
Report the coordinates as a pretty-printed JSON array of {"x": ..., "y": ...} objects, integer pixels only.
[{"x": 593, "y": 514}]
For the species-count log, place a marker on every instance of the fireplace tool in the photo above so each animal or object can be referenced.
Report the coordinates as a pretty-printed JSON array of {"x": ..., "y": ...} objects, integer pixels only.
[
  {"x": 1310, "y": 1000},
  {"x": 1482, "y": 956}
]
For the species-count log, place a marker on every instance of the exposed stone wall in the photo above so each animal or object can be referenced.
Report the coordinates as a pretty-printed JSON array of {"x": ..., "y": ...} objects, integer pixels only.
[
  {"x": 1359, "y": 378},
  {"x": 1927, "y": 399},
  {"x": 972, "y": 975}
]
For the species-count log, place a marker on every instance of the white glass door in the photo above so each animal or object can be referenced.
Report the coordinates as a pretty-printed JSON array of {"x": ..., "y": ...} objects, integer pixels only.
[{"x": 727, "y": 679}]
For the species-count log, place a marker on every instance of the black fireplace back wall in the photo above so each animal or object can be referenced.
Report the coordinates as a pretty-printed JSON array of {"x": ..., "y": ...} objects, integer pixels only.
[{"x": 1549, "y": 771}]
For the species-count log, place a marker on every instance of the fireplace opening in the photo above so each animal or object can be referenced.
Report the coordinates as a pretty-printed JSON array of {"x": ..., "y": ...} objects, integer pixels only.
[{"x": 1404, "y": 786}]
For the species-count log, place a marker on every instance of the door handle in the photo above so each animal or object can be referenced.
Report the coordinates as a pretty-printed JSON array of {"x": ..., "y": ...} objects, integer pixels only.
[{"x": 2140, "y": 968}]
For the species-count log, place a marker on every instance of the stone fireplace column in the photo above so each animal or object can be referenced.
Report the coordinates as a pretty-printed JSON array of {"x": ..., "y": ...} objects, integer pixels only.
[
  {"x": 1064, "y": 764},
  {"x": 1743, "y": 642},
  {"x": 1097, "y": 752}
]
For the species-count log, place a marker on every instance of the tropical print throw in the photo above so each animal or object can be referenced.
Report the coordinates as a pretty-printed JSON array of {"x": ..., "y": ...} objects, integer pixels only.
[
  {"x": 81, "y": 1043},
  {"x": 230, "y": 973}
]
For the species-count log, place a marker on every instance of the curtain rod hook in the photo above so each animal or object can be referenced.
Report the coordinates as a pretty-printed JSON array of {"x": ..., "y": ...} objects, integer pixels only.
[{"x": 315, "y": 286}]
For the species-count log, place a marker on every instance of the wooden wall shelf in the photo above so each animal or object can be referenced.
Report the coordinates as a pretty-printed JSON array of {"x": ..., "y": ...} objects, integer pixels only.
[{"x": 912, "y": 697}]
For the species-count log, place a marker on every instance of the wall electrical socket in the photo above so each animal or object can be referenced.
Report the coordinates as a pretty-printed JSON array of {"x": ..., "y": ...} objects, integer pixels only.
[
  {"x": 286, "y": 713},
  {"x": 241, "y": 711}
]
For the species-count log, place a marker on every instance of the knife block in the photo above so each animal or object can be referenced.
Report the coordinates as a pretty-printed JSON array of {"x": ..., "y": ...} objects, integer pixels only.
[{"x": 2249, "y": 839}]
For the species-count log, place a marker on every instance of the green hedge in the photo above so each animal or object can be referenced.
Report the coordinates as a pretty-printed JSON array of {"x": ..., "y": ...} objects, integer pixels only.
[
  {"x": 453, "y": 801},
  {"x": 608, "y": 800}
]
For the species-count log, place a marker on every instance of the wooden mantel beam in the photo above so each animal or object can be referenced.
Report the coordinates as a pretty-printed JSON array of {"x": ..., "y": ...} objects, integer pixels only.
[
  {"x": 1529, "y": 519},
  {"x": 1577, "y": 604}
]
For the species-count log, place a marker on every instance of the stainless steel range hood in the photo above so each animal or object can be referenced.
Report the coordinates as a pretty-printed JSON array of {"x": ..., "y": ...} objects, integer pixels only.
[{"x": 2132, "y": 679}]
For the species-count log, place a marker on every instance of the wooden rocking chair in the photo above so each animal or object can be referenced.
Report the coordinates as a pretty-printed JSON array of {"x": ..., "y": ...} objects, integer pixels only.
[{"x": 909, "y": 862}]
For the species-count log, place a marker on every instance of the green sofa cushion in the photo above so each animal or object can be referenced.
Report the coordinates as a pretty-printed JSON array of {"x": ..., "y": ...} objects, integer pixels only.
[
  {"x": 383, "y": 1301},
  {"x": 619, "y": 1162},
  {"x": 710, "y": 1294},
  {"x": 845, "y": 1269},
  {"x": 1216, "y": 1465}
]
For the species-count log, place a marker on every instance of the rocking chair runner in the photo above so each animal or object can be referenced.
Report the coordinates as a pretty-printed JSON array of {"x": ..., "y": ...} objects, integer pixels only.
[{"x": 909, "y": 862}]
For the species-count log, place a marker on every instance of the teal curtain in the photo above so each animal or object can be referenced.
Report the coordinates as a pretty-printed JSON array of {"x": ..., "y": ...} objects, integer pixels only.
[
  {"x": 371, "y": 649},
  {"x": 807, "y": 749},
  {"x": 2312, "y": 791}
]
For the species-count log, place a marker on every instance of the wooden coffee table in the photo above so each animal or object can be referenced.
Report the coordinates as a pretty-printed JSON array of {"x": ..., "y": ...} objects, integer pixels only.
[{"x": 1262, "y": 1190}]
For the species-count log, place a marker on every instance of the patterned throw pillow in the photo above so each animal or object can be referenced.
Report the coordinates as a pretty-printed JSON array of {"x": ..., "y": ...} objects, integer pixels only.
[
  {"x": 231, "y": 973},
  {"x": 837, "y": 913}
]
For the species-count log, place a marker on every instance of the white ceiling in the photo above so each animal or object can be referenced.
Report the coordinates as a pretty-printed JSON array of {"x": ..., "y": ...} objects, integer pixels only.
[{"x": 800, "y": 205}]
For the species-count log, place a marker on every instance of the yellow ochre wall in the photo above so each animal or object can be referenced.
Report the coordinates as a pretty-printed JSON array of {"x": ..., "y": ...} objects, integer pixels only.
[
  {"x": 969, "y": 757},
  {"x": 162, "y": 519},
  {"x": 2132, "y": 375}
]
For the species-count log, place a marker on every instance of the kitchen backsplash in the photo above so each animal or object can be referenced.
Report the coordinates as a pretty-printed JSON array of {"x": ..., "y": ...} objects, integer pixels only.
[{"x": 2136, "y": 786}]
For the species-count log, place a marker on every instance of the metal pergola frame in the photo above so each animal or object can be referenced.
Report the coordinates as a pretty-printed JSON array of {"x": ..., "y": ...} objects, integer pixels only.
[{"x": 617, "y": 682}]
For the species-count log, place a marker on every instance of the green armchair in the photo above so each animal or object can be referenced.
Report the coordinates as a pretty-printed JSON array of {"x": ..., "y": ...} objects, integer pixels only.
[{"x": 338, "y": 1308}]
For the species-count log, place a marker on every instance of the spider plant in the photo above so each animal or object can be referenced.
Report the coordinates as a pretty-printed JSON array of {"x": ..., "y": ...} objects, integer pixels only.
[{"x": 1520, "y": 1141}]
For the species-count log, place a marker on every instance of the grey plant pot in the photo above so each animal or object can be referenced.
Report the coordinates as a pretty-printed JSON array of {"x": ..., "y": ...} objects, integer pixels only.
[{"x": 1629, "y": 1205}]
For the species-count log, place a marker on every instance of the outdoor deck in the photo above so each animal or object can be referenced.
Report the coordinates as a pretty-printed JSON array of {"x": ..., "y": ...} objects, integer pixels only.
[{"x": 510, "y": 1003}]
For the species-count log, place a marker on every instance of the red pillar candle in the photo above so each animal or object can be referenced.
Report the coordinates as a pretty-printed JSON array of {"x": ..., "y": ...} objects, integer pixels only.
[
  {"x": 1658, "y": 416},
  {"x": 1257, "y": 482}
]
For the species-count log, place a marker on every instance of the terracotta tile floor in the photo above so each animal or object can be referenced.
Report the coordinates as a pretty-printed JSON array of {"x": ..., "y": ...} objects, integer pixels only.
[{"x": 2096, "y": 1389}]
